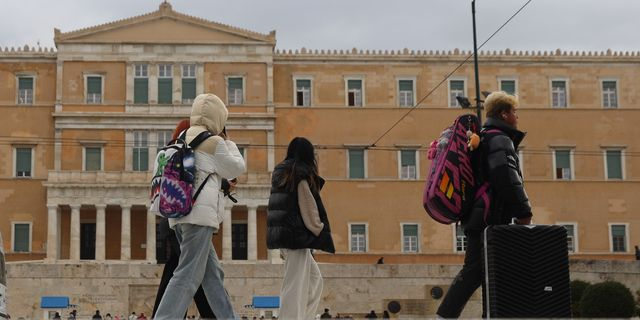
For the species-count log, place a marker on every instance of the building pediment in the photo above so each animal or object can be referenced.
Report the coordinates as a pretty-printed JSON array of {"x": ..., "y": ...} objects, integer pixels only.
[{"x": 164, "y": 26}]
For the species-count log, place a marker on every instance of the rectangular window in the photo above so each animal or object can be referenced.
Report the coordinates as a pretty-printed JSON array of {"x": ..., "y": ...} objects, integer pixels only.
[
  {"x": 456, "y": 89},
  {"x": 24, "y": 167},
  {"x": 559, "y": 93},
  {"x": 140, "y": 151},
  {"x": 618, "y": 238},
  {"x": 563, "y": 161},
  {"x": 358, "y": 238},
  {"x": 410, "y": 238},
  {"x": 25, "y": 90},
  {"x": 141, "y": 83},
  {"x": 354, "y": 93},
  {"x": 405, "y": 93},
  {"x": 609, "y": 94},
  {"x": 303, "y": 92},
  {"x": 188, "y": 83},
  {"x": 92, "y": 158},
  {"x": 461, "y": 239},
  {"x": 235, "y": 90},
  {"x": 21, "y": 237},
  {"x": 356, "y": 163},
  {"x": 613, "y": 162},
  {"x": 164, "y": 137},
  {"x": 165, "y": 84},
  {"x": 571, "y": 237},
  {"x": 508, "y": 86},
  {"x": 94, "y": 89},
  {"x": 408, "y": 166}
]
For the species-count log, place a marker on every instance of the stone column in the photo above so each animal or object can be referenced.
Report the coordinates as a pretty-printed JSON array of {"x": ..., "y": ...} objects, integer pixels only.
[
  {"x": 252, "y": 234},
  {"x": 226, "y": 235},
  {"x": 153, "y": 83},
  {"x": 271, "y": 153},
  {"x": 101, "y": 232},
  {"x": 125, "y": 233},
  {"x": 177, "y": 84},
  {"x": 74, "y": 247},
  {"x": 151, "y": 236},
  {"x": 57, "y": 150},
  {"x": 52, "y": 233}
]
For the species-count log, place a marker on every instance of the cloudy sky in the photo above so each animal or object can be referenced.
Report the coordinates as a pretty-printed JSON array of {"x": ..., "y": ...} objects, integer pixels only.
[{"x": 364, "y": 24}]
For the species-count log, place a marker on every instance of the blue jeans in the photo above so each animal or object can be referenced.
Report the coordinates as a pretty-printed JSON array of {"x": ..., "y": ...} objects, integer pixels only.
[{"x": 198, "y": 265}]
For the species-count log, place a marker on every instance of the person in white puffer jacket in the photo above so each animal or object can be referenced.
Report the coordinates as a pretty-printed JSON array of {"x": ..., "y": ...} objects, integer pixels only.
[{"x": 216, "y": 158}]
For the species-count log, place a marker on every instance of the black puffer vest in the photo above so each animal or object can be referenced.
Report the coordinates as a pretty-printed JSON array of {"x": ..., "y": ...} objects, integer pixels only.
[{"x": 285, "y": 227}]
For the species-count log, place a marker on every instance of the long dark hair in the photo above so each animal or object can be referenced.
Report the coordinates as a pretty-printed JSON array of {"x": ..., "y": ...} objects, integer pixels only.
[{"x": 301, "y": 164}]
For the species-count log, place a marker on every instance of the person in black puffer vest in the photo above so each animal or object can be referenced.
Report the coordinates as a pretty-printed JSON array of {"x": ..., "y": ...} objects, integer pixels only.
[
  {"x": 497, "y": 163},
  {"x": 297, "y": 222}
]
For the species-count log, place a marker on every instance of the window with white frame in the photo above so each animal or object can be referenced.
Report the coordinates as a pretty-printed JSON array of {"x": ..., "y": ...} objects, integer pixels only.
[
  {"x": 571, "y": 237},
  {"x": 23, "y": 162},
  {"x": 609, "y": 94},
  {"x": 508, "y": 86},
  {"x": 243, "y": 153},
  {"x": 141, "y": 83},
  {"x": 235, "y": 90},
  {"x": 410, "y": 238},
  {"x": 21, "y": 237},
  {"x": 358, "y": 235},
  {"x": 163, "y": 138},
  {"x": 165, "y": 83},
  {"x": 356, "y": 163},
  {"x": 140, "y": 151},
  {"x": 559, "y": 93},
  {"x": 456, "y": 89},
  {"x": 94, "y": 89},
  {"x": 563, "y": 161},
  {"x": 405, "y": 93},
  {"x": 188, "y": 83},
  {"x": 355, "y": 93},
  {"x": 461, "y": 239},
  {"x": 408, "y": 165},
  {"x": 92, "y": 158},
  {"x": 26, "y": 85},
  {"x": 618, "y": 237},
  {"x": 303, "y": 92},
  {"x": 614, "y": 164}
]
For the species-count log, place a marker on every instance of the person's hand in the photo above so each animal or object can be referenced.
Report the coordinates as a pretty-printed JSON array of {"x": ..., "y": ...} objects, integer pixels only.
[
  {"x": 524, "y": 221},
  {"x": 232, "y": 184}
]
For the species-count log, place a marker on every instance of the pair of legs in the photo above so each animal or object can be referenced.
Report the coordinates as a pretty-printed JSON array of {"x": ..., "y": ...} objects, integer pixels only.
[
  {"x": 198, "y": 265},
  {"x": 468, "y": 279},
  {"x": 301, "y": 286}
]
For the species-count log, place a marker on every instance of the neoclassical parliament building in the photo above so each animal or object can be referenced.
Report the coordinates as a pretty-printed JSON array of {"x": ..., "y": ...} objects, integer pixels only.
[{"x": 81, "y": 125}]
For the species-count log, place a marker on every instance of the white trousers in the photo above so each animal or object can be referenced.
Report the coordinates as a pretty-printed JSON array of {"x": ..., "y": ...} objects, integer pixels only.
[{"x": 301, "y": 286}]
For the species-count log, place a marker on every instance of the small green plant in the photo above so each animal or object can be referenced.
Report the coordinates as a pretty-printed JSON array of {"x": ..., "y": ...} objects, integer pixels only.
[
  {"x": 609, "y": 299},
  {"x": 577, "y": 289}
]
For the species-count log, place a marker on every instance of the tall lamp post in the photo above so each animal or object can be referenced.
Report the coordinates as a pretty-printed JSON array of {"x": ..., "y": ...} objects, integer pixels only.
[{"x": 475, "y": 61}]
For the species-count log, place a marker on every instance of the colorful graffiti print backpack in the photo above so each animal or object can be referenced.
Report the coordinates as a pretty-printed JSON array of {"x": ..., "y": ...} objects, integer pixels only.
[
  {"x": 451, "y": 190},
  {"x": 174, "y": 175}
]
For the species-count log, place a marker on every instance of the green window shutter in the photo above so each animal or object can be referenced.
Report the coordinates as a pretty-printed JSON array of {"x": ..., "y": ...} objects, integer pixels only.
[
  {"x": 358, "y": 229},
  {"x": 356, "y": 163},
  {"x": 457, "y": 85},
  {"x": 559, "y": 84},
  {"x": 94, "y": 85},
  {"x": 618, "y": 231},
  {"x": 354, "y": 84},
  {"x": 303, "y": 84},
  {"x": 235, "y": 83},
  {"x": 93, "y": 159},
  {"x": 165, "y": 90},
  {"x": 410, "y": 230},
  {"x": 188, "y": 89},
  {"x": 141, "y": 90},
  {"x": 563, "y": 159},
  {"x": 609, "y": 85},
  {"x": 23, "y": 162},
  {"x": 570, "y": 230},
  {"x": 140, "y": 159},
  {"x": 21, "y": 237},
  {"x": 508, "y": 86},
  {"x": 25, "y": 83},
  {"x": 614, "y": 164},
  {"x": 408, "y": 157},
  {"x": 405, "y": 85}
]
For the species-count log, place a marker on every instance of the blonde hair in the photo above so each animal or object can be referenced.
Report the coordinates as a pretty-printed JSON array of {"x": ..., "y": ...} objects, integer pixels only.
[{"x": 498, "y": 102}]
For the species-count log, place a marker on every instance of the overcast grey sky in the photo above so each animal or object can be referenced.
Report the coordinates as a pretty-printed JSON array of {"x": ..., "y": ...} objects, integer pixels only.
[{"x": 364, "y": 24}]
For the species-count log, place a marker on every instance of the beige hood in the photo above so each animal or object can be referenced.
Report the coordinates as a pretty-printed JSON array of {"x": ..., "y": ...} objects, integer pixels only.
[{"x": 209, "y": 111}]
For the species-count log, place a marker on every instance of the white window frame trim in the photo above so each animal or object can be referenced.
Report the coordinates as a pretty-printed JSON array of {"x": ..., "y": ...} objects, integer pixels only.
[
  {"x": 13, "y": 236},
  {"x": 295, "y": 90},
  {"x": 571, "y": 162},
  {"x": 622, "y": 162},
  {"x": 84, "y": 157},
  {"x": 365, "y": 159},
  {"x": 134, "y": 70},
  {"x": 576, "y": 247},
  {"x": 15, "y": 160},
  {"x": 455, "y": 239},
  {"x": 415, "y": 84},
  {"x": 464, "y": 93},
  {"x": 567, "y": 88},
  {"x": 244, "y": 88},
  {"x": 171, "y": 67},
  {"x": 602, "y": 80},
  {"x": 346, "y": 90},
  {"x": 86, "y": 88},
  {"x": 508, "y": 78},
  {"x": 33, "y": 98},
  {"x": 626, "y": 236},
  {"x": 366, "y": 237},
  {"x": 417, "y": 163},
  {"x": 148, "y": 147},
  {"x": 419, "y": 235}
]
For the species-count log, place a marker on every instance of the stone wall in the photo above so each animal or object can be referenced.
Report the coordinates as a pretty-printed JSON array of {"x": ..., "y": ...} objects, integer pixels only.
[{"x": 348, "y": 288}]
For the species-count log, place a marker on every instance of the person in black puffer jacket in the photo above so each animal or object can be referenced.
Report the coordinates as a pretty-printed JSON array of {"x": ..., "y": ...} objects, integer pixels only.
[
  {"x": 297, "y": 222},
  {"x": 498, "y": 163}
]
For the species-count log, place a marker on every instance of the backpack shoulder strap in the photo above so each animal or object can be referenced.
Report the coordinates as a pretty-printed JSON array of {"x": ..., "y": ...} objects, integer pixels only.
[{"x": 200, "y": 138}]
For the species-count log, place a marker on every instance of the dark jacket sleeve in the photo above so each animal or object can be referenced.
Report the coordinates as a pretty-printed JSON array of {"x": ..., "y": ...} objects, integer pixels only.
[{"x": 506, "y": 179}]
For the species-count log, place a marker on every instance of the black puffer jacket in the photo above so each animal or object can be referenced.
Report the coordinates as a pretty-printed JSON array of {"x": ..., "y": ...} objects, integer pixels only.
[
  {"x": 285, "y": 227},
  {"x": 499, "y": 164}
]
